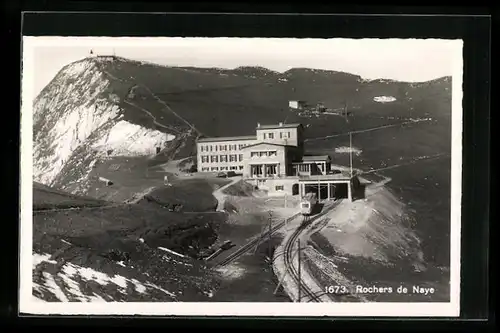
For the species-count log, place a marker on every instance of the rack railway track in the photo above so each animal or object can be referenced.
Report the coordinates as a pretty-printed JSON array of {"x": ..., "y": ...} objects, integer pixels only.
[
  {"x": 245, "y": 248},
  {"x": 289, "y": 255}
]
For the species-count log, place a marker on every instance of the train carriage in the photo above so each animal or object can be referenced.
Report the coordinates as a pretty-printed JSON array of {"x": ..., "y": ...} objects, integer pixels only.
[{"x": 308, "y": 203}]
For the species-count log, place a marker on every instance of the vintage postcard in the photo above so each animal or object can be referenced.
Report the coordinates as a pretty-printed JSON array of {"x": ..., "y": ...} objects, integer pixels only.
[{"x": 222, "y": 176}]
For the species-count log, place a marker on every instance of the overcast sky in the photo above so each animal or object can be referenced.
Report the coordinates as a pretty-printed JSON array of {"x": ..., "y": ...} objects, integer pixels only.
[{"x": 399, "y": 59}]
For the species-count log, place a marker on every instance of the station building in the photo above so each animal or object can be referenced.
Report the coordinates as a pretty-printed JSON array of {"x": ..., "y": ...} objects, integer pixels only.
[{"x": 274, "y": 160}]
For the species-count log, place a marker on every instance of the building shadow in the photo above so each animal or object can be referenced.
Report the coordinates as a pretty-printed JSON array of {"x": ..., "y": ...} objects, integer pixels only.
[{"x": 358, "y": 190}]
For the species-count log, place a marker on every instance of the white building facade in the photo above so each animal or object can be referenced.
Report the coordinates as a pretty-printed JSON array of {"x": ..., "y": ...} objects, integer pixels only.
[
  {"x": 222, "y": 154},
  {"x": 272, "y": 160}
]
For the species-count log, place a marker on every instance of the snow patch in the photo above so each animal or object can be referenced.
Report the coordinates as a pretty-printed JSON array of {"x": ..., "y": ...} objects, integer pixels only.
[
  {"x": 51, "y": 284},
  {"x": 69, "y": 275},
  {"x": 384, "y": 99},
  {"x": 232, "y": 271},
  {"x": 119, "y": 281},
  {"x": 170, "y": 251},
  {"x": 417, "y": 120},
  {"x": 39, "y": 258},
  {"x": 168, "y": 259},
  {"x": 347, "y": 150},
  {"x": 139, "y": 287},
  {"x": 126, "y": 138}
]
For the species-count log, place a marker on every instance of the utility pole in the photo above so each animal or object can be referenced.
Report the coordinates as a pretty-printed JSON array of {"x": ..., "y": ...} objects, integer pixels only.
[
  {"x": 261, "y": 236},
  {"x": 269, "y": 242},
  {"x": 319, "y": 190},
  {"x": 350, "y": 151},
  {"x": 298, "y": 270},
  {"x": 345, "y": 112}
]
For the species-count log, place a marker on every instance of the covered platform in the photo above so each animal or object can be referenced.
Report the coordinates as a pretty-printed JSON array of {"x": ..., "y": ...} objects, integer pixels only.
[{"x": 327, "y": 187}]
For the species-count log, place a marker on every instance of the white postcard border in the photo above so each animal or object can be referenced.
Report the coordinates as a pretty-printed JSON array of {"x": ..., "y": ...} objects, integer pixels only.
[{"x": 28, "y": 304}]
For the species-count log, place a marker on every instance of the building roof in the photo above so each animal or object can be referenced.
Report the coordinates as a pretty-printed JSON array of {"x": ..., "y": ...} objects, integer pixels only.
[
  {"x": 313, "y": 158},
  {"x": 273, "y": 126},
  {"x": 228, "y": 138},
  {"x": 267, "y": 143}
]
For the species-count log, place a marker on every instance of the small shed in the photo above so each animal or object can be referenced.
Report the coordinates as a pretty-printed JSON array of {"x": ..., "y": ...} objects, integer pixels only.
[{"x": 296, "y": 104}]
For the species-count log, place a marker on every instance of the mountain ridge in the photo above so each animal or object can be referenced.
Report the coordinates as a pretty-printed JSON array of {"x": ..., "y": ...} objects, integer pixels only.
[{"x": 239, "y": 68}]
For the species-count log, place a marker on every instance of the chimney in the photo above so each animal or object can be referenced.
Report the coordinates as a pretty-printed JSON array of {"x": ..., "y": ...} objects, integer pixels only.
[
  {"x": 258, "y": 125},
  {"x": 281, "y": 124}
]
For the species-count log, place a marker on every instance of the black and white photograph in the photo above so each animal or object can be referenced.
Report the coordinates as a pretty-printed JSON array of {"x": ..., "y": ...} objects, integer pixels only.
[{"x": 241, "y": 176}]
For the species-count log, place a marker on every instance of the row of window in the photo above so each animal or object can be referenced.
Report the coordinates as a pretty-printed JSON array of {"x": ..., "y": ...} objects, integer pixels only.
[
  {"x": 233, "y": 167},
  {"x": 207, "y": 148},
  {"x": 221, "y": 158},
  {"x": 258, "y": 170},
  {"x": 277, "y": 187},
  {"x": 307, "y": 167},
  {"x": 272, "y": 153},
  {"x": 304, "y": 167},
  {"x": 283, "y": 135}
]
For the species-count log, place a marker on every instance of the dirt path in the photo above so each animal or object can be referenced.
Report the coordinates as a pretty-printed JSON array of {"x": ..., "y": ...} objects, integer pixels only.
[
  {"x": 168, "y": 128},
  {"x": 140, "y": 195},
  {"x": 412, "y": 161},
  {"x": 367, "y": 130},
  {"x": 159, "y": 100},
  {"x": 220, "y": 196}
]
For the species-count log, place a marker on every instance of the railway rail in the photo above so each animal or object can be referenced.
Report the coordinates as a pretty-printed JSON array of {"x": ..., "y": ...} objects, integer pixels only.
[
  {"x": 288, "y": 258},
  {"x": 289, "y": 252},
  {"x": 245, "y": 248}
]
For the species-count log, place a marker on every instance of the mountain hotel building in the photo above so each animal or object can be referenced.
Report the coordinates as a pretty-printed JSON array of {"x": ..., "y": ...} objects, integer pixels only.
[{"x": 273, "y": 159}]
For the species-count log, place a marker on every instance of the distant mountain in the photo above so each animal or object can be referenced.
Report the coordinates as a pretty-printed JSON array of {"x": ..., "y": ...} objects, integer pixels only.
[{"x": 111, "y": 106}]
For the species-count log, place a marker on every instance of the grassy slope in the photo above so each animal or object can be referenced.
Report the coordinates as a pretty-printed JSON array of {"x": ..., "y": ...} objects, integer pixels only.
[
  {"x": 45, "y": 197},
  {"x": 183, "y": 192},
  {"x": 232, "y": 104},
  {"x": 94, "y": 234},
  {"x": 423, "y": 185}
]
